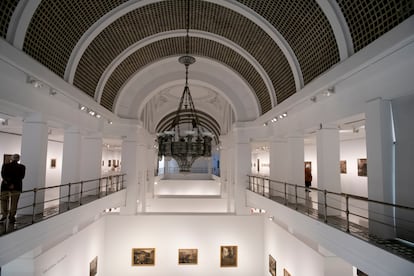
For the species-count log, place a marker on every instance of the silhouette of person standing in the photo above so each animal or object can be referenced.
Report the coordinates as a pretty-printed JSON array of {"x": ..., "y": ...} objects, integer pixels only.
[
  {"x": 11, "y": 187},
  {"x": 308, "y": 178}
]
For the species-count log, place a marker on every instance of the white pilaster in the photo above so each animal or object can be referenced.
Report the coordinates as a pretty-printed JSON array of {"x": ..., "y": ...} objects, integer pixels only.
[
  {"x": 242, "y": 163},
  {"x": 91, "y": 158},
  {"x": 70, "y": 159},
  {"x": 295, "y": 169},
  {"x": 129, "y": 167},
  {"x": 142, "y": 170},
  {"x": 278, "y": 167},
  {"x": 380, "y": 164},
  {"x": 33, "y": 156},
  {"x": 327, "y": 151}
]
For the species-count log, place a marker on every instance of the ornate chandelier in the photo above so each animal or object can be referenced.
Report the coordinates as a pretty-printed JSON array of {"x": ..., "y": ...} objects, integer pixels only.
[{"x": 185, "y": 140}]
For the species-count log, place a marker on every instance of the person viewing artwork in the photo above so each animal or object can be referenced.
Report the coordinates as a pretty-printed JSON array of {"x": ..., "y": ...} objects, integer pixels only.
[
  {"x": 11, "y": 186},
  {"x": 308, "y": 176}
]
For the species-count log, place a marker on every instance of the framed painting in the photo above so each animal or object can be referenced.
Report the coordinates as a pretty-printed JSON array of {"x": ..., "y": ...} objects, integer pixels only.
[
  {"x": 285, "y": 272},
  {"x": 228, "y": 256},
  {"x": 362, "y": 167},
  {"x": 109, "y": 162},
  {"x": 53, "y": 163},
  {"x": 93, "y": 266},
  {"x": 342, "y": 166},
  {"x": 7, "y": 158},
  {"x": 187, "y": 256},
  {"x": 272, "y": 265},
  {"x": 143, "y": 256}
]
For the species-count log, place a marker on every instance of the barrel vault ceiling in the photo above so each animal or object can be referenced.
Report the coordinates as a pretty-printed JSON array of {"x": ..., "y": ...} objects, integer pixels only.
[{"x": 276, "y": 47}]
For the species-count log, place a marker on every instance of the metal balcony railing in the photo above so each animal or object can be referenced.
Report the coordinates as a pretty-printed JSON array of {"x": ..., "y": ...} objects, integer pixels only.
[
  {"x": 352, "y": 214},
  {"x": 41, "y": 203}
]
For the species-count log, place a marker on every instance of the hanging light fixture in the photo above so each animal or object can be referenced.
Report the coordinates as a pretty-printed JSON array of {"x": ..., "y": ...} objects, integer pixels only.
[{"x": 185, "y": 140}]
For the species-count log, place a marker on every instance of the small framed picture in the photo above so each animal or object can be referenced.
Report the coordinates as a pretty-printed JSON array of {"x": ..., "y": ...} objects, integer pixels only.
[
  {"x": 187, "y": 256},
  {"x": 342, "y": 166},
  {"x": 143, "y": 256},
  {"x": 93, "y": 266},
  {"x": 285, "y": 272},
  {"x": 272, "y": 265},
  {"x": 53, "y": 163},
  {"x": 228, "y": 256},
  {"x": 362, "y": 167}
]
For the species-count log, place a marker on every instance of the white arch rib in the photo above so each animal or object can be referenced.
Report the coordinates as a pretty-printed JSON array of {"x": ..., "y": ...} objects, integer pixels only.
[
  {"x": 339, "y": 26},
  {"x": 105, "y": 76},
  {"x": 106, "y": 20},
  {"x": 20, "y": 21}
]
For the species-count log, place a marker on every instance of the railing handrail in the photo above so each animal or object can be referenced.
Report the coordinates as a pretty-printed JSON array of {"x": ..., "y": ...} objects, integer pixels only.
[
  {"x": 73, "y": 183},
  {"x": 336, "y": 193}
]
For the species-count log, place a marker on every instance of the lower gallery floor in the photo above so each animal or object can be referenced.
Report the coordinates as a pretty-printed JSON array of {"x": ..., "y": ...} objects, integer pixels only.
[{"x": 210, "y": 245}]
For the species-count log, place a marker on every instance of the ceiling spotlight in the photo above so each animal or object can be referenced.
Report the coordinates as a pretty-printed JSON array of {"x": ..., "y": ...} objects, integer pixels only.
[
  {"x": 271, "y": 218},
  {"x": 313, "y": 99},
  {"x": 82, "y": 107},
  {"x": 91, "y": 112},
  {"x": 98, "y": 115},
  {"x": 284, "y": 114},
  {"x": 110, "y": 122},
  {"x": 281, "y": 116},
  {"x": 52, "y": 92}
]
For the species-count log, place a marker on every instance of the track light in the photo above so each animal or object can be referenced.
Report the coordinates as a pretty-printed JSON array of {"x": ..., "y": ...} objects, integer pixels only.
[{"x": 35, "y": 82}]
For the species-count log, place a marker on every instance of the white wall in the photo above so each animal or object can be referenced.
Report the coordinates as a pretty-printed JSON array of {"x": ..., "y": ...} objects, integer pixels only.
[
  {"x": 290, "y": 253},
  {"x": 71, "y": 257},
  {"x": 169, "y": 233},
  {"x": 9, "y": 144}
]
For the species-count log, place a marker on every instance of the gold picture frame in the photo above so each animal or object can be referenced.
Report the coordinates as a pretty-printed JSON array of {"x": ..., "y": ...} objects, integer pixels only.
[
  {"x": 362, "y": 167},
  {"x": 272, "y": 265},
  {"x": 285, "y": 272},
  {"x": 342, "y": 166},
  {"x": 143, "y": 256},
  {"x": 228, "y": 256},
  {"x": 93, "y": 267},
  {"x": 187, "y": 256}
]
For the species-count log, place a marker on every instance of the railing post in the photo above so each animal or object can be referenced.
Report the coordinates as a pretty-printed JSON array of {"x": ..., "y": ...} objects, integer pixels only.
[
  {"x": 106, "y": 188},
  {"x": 69, "y": 191},
  {"x": 325, "y": 206},
  {"x": 296, "y": 196},
  {"x": 263, "y": 187},
  {"x": 34, "y": 204},
  {"x": 286, "y": 200},
  {"x": 347, "y": 212},
  {"x": 81, "y": 193},
  {"x": 99, "y": 188}
]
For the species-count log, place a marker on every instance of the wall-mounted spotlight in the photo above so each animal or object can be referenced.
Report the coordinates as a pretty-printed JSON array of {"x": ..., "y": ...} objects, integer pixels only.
[
  {"x": 82, "y": 107},
  {"x": 110, "y": 122},
  {"x": 34, "y": 82},
  {"x": 4, "y": 122},
  {"x": 52, "y": 92},
  {"x": 329, "y": 92}
]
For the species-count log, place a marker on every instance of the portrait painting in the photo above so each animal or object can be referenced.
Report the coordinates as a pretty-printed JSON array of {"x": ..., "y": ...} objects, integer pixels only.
[
  {"x": 93, "y": 266},
  {"x": 53, "y": 163},
  {"x": 342, "y": 166},
  {"x": 187, "y": 256},
  {"x": 228, "y": 256},
  {"x": 362, "y": 167},
  {"x": 143, "y": 256},
  {"x": 272, "y": 265},
  {"x": 285, "y": 272}
]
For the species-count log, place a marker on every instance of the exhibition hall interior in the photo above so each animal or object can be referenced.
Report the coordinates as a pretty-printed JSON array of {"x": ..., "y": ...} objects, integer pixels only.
[{"x": 207, "y": 137}]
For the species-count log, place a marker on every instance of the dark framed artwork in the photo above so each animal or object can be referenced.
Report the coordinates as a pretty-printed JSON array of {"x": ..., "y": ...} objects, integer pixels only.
[
  {"x": 228, "y": 256},
  {"x": 7, "y": 158},
  {"x": 362, "y": 167},
  {"x": 285, "y": 272},
  {"x": 143, "y": 256},
  {"x": 109, "y": 162},
  {"x": 342, "y": 166},
  {"x": 272, "y": 265},
  {"x": 187, "y": 256},
  {"x": 308, "y": 164},
  {"x": 53, "y": 163},
  {"x": 93, "y": 267}
]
